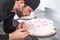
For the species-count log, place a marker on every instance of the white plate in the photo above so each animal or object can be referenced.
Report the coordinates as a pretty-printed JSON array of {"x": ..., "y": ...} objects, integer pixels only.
[{"x": 43, "y": 35}]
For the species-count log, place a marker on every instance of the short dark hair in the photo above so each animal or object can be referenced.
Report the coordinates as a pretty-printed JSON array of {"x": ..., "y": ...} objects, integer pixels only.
[{"x": 32, "y": 3}]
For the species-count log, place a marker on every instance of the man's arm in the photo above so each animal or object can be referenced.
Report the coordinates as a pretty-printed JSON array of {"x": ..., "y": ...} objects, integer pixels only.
[
  {"x": 4, "y": 37},
  {"x": 5, "y": 9},
  {"x": 8, "y": 24}
]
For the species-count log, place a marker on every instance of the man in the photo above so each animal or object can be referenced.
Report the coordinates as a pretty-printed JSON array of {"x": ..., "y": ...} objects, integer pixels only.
[{"x": 7, "y": 12}]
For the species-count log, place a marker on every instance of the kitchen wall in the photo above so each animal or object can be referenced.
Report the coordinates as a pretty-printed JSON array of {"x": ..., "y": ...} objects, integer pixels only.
[
  {"x": 42, "y": 5},
  {"x": 52, "y": 6}
]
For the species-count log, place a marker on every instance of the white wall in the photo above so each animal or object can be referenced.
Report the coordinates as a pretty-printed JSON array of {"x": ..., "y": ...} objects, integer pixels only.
[
  {"x": 42, "y": 5},
  {"x": 54, "y": 4}
]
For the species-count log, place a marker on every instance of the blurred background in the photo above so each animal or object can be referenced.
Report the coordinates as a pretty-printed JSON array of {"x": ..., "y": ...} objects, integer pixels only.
[{"x": 47, "y": 9}]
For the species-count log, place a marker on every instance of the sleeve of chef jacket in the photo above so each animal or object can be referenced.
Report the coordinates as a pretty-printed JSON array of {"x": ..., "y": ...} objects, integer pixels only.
[{"x": 4, "y": 37}]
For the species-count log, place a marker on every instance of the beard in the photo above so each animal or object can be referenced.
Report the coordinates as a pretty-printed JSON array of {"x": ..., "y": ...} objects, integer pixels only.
[{"x": 19, "y": 13}]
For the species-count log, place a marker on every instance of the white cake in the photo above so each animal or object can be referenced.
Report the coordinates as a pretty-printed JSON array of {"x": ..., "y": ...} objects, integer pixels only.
[{"x": 40, "y": 26}]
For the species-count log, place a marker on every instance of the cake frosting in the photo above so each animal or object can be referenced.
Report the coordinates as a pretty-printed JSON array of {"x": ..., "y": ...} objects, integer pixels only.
[{"x": 40, "y": 26}]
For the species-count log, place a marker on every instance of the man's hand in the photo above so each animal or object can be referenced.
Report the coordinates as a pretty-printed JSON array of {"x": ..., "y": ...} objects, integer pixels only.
[
  {"x": 21, "y": 32},
  {"x": 18, "y": 34},
  {"x": 22, "y": 25}
]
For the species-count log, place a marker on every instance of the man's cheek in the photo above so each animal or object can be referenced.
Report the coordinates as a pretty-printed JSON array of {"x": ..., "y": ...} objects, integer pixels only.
[{"x": 21, "y": 5}]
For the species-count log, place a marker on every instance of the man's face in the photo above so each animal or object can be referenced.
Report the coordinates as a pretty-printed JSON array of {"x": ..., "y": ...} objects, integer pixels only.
[{"x": 22, "y": 9}]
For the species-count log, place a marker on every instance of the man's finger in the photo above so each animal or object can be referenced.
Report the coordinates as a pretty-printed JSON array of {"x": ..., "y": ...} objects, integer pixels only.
[
  {"x": 26, "y": 34},
  {"x": 20, "y": 25},
  {"x": 22, "y": 30}
]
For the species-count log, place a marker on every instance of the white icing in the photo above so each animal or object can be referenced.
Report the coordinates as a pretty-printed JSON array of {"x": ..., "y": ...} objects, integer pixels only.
[{"x": 40, "y": 26}]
